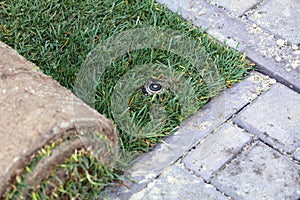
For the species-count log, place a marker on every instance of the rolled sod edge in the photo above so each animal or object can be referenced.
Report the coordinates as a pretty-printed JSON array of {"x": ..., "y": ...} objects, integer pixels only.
[{"x": 35, "y": 111}]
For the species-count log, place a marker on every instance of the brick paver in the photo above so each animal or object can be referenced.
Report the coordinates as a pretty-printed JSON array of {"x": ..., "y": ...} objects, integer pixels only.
[
  {"x": 281, "y": 17},
  {"x": 216, "y": 150},
  {"x": 260, "y": 173},
  {"x": 275, "y": 118},
  {"x": 237, "y": 8},
  {"x": 177, "y": 183}
]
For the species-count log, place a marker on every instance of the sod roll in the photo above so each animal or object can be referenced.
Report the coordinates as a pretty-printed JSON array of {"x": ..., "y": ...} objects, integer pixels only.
[{"x": 36, "y": 111}]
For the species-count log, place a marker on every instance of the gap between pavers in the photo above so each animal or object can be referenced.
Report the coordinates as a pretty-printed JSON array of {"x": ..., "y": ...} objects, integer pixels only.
[
  {"x": 280, "y": 61},
  {"x": 216, "y": 150},
  {"x": 260, "y": 173},
  {"x": 177, "y": 183},
  {"x": 236, "y": 8},
  {"x": 149, "y": 165},
  {"x": 275, "y": 118}
]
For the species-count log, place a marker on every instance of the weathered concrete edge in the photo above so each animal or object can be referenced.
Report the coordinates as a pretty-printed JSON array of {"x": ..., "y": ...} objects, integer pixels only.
[{"x": 227, "y": 27}]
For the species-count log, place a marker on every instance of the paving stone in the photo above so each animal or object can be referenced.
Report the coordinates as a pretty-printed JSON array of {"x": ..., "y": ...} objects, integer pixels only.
[
  {"x": 177, "y": 183},
  {"x": 237, "y": 8},
  {"x": 260, "y": 173},
  {"x": 275, "y": 118},
  {"x": 216, "y": 150},
  {"x": 282, "y": 17}
]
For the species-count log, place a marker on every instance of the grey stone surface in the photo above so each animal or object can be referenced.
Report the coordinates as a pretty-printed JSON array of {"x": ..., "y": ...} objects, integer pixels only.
[
  {"x": 149, "y": 165},
  {"x": 260, "y": 173},
  {"x": 297, "y": 155},
  {"x": 275, "y": 118},
  {"x": 216, "y": 150},
  {"x": 281, "y": 17},
  {"x": 177, "y": 183},
  {"x": 260, "y": 45},
  {"x": 237, "y": 8}
]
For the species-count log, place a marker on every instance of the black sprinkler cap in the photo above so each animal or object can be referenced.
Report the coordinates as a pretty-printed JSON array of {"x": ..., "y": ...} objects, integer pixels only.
[{"x": 155, "y": 87}]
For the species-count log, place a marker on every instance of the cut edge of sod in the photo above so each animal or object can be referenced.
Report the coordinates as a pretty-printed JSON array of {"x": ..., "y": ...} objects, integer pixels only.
[{"x": 58, "y": 35}]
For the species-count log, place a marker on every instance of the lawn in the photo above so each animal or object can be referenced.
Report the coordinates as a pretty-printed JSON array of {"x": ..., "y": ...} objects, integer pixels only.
[{"x": 57, "y": 35}]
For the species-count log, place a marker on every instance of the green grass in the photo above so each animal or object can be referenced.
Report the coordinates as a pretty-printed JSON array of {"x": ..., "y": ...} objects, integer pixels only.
[{"x": 57, "y": 36}]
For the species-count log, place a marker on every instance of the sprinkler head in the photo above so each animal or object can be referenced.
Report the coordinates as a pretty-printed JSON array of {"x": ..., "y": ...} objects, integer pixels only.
[{"x": 152, "y": 87}]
